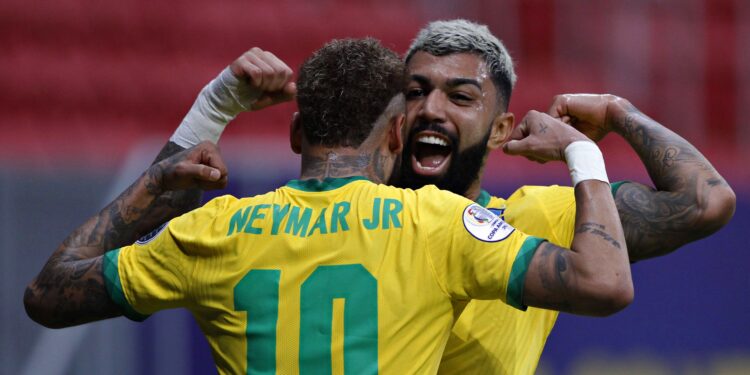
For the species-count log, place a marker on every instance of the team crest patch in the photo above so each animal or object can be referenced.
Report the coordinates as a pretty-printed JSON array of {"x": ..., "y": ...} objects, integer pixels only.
[
  {"x": 484, "y": 225},
  {"x": 151, "y": 235}
]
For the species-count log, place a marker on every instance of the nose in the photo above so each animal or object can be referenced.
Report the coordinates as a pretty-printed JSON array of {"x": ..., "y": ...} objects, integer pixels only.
[{"x": 433, "y": 108}]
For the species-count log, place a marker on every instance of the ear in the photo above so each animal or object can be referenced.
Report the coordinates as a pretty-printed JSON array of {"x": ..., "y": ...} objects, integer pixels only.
[
  {"x": 295, "y": 133},
  {"x": 395, "y": 135},
  {"x": 501, "y": 129}
]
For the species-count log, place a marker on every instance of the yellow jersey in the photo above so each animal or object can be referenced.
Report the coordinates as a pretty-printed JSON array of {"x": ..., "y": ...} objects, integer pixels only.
[
  {"x": 333, "y": 276},
  {"x": 489, "y": 337}
]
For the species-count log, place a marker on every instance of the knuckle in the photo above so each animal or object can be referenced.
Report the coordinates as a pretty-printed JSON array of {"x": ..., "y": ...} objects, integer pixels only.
[{"x": 253, "y": 71}]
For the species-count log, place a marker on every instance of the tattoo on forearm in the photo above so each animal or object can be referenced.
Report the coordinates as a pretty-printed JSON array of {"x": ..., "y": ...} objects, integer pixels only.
[
  {"x": 598, "y": 230},
  {"x": 179, "y": 202},
  {"x": 168, "y": 150},
  {"x": 72, "y": 282},
  {"x": 553, "y": 276}
]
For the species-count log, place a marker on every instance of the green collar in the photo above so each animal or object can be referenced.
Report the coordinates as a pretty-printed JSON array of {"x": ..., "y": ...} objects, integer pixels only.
[
  {"x": 329, "y": 183},
  {"x": 484, "y": 198}
]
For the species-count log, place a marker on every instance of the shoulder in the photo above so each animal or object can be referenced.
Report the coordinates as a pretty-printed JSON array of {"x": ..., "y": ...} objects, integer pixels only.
[
  {"x": 208, "y": 213},
  {"x": 216, "y": 206},
  {"x": 425, "y": 194},
  {"x": 542, "y": 197},
  {"x": 542, "y": 192},
  {"x": 445, "y": 195},
  {"x": 543, "y": 211}
]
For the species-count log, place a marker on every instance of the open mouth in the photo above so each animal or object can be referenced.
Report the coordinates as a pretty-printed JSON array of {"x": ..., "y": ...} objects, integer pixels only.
[{"x": 431, "y": 153}]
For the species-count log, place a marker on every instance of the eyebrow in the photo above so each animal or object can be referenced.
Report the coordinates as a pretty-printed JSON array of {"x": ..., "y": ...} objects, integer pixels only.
[{"x": 453, "y": 82}]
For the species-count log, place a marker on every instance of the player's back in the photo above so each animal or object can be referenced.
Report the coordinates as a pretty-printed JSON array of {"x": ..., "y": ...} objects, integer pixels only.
[
  {"x": 342, "y": 274},
  {"x": 352, "y": 283}
]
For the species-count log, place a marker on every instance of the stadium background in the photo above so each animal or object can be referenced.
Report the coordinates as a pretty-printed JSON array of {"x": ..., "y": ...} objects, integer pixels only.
[{"x": 89, "y": 92}]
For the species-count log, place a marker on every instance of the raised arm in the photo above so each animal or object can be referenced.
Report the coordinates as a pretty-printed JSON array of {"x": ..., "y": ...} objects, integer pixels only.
[
  {"x": 70, "y": 288},
  {"x": 593, "y": 276},
  {"x": 255, "y": 80},
  {"x": 691, "y": 199},
  {"x": 170, "y": 204}
]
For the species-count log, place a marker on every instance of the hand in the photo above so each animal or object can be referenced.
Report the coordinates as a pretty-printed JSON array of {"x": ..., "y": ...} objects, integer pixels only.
[
  {"x": 541, "y": 138},
  {"x": 592, "y": 115},
  {"x": 200, "y": 167},
  {"x": 268, "y": 78}
]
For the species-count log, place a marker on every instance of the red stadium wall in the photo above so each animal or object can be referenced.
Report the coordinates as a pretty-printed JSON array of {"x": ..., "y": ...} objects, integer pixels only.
[{"x": 81, "y": 82}]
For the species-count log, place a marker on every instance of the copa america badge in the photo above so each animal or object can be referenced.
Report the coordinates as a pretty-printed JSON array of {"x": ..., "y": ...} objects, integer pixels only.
[
  {"x": 151, "y": 235},
  {"x": 485, "y": 225}
]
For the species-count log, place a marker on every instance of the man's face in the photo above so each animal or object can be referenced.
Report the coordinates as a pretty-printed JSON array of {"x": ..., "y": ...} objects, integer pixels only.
[{"x": 451, "y": 103}]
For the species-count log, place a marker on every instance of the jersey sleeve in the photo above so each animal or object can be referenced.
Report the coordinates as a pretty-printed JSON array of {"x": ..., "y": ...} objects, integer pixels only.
[
  {"x": 475, "y": 254},
  {"x": 155, "y": 272},
  {"x": 545, "y": 211}
]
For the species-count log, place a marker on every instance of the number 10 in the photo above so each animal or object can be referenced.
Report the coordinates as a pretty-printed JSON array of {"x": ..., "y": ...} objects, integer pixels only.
[{"x": 258, "y": 294}]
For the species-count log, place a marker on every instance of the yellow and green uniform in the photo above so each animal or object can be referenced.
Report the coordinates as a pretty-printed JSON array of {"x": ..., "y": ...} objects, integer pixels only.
[
  {"x": 333, "y": 276},
  {"x": 490, "y": 337}
]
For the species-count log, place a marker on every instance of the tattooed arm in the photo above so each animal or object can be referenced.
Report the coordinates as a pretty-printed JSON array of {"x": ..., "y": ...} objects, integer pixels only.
[
  {"x": 70, "y": 288},
  {"x": 593, "y": 277},
  {"x": 691, "y": 199},
  {"x": 171, "y": 203},
  {"x": 253, "y": 81}
]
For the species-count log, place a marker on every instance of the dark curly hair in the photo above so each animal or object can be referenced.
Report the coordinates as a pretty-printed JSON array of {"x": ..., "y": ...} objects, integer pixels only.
[{"x": 344, "y": 87}]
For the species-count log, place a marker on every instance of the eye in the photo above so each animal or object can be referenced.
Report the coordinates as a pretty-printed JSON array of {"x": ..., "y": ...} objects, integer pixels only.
[
  {"x": 461, "y": 97},
  {"x": 414, "y": 92}
]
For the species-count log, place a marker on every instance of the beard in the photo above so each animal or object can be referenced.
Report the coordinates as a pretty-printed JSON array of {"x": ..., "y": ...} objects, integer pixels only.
[{"x": 463, "y": 170}]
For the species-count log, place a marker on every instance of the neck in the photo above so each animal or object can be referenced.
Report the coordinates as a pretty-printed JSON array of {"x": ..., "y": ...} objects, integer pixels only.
[
  {"x": 474, "y": 189},
  {"x": 472, "y": 192},
  {"x": 323, "y": 162}
]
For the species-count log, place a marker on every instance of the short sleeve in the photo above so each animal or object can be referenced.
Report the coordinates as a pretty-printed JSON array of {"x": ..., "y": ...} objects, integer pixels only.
[
  {"x": 155, "y": 272},
  {"x": 544, "y": 211},
  {"x": 475, "y": 254}
]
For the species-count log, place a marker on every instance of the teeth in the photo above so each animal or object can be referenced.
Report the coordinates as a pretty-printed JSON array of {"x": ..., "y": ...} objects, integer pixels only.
[{"x": 431, "y": 139}]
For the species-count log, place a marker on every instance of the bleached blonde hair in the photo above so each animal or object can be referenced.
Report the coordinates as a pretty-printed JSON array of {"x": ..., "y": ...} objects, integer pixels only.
[{"x": 440, "y": 38}]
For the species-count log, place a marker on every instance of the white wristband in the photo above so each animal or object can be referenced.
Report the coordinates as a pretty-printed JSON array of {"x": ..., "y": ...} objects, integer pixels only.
[
  {"x": 219, "y": 102},
  {"x": 585, "y": 162}
]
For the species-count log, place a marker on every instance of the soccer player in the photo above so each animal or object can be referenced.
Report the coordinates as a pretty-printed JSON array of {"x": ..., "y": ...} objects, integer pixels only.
[
  {"x": 336, "y": 271},
  {"x": 461, "y": 80}
]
